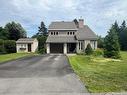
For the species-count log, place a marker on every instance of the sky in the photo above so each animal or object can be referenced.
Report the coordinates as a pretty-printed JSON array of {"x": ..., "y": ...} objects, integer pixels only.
[{"x": 99, "y": 15}]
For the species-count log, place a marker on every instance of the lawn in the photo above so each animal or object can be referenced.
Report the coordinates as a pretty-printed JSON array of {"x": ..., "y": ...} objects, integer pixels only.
[
  {"x": 7, "y": 57},
  {"x": 100, "y": 74}
]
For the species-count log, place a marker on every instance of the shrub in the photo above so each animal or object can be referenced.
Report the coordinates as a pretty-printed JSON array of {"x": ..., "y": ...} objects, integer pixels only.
[
  {"x": 88, "y": 50},
  {"x": 2, "y": 46},
  {"x": 42, "y": 51},
  {"x": 98, "y": 52},
  {"x": 10, "y": 46}
]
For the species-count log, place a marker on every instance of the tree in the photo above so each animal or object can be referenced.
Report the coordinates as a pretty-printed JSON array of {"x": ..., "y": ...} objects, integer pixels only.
[
  {"x": 100, "y": 42},
  {"x": 88, "y": 50},
  {"x": 123, "y": 36},
  {"x": 15, "y": 31},
  {"x": 76, "y": 23},
  {"x": 111, "y": 44},
  {"x": 42, "y": 29},
  {"x": 3, "y": 34}
]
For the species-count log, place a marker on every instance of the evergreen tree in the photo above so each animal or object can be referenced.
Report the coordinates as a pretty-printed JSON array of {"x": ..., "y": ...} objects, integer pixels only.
[
  {"x": 76, "y": 23},
  {"x": 111, "y": 44},
  {"x": 88, "y": 50},
  {"x": 4, "y": 34},
  {"x": 100, "y": 42},
  {"x": 15, "y": 31},
  {"x": 123, "y": 36},
  {"x": 42, "y": 29}
]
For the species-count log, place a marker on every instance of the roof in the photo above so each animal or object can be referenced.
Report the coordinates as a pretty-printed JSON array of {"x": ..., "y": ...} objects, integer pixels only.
[
  {"x": 62, "y": 26},
  {"x": 60, "y": 39},
  {"x": 26, "y": 40},
  {"x": 85, "y": 33}
]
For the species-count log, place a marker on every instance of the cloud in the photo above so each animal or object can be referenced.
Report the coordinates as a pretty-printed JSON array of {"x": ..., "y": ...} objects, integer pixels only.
[{"x": 98, "y": 14}]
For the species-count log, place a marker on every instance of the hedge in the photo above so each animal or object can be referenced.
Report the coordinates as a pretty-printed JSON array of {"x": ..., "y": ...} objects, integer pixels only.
[{"x": 7, "y": 46}]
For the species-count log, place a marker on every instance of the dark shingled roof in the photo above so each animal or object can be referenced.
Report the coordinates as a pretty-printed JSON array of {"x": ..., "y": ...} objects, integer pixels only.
[
  {"x": 85, "y": 33},
  {"x": 62, "y": 26},
  {"x": 25, "y": 40},
  {"x": 60, "y": 39}
]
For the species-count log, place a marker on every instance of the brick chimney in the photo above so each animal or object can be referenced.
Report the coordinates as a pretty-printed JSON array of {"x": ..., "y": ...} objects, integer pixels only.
[{"x": 81, "y": 23}]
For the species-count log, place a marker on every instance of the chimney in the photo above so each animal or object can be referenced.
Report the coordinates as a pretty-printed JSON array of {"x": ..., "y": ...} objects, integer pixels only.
[{"x": 81, "y": 23}]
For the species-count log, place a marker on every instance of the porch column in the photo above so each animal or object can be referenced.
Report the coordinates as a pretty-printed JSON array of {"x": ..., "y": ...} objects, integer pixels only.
[
  {"x": 65, "y": 48},
  {"x": 48, "y": 47},
  {"x": 95, "y": 44}
]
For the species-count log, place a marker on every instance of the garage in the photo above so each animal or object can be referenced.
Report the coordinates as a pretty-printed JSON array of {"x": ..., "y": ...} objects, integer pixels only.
[{"x": 56, "y": 47}]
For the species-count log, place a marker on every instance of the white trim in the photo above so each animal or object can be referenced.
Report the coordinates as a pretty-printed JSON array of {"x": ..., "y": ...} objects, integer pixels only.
[{"x": 62, "y": 29}]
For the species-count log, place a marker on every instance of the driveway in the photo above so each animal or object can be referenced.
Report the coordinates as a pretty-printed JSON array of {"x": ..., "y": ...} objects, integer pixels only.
[{"x": 38, "y": 75}]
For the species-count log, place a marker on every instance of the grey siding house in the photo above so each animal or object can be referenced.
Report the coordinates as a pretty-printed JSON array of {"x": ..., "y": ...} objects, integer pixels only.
[{"x": 68, "y": 37}]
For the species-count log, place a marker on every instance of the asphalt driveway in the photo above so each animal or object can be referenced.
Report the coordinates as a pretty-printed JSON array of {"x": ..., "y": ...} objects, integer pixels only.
[{"x": 38, "y": 75}]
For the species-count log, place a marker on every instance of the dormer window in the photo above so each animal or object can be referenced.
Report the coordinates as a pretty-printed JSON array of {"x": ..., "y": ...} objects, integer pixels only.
[
  {"x": 56, "y": 33},
  {"x": 51, "y": 33}
]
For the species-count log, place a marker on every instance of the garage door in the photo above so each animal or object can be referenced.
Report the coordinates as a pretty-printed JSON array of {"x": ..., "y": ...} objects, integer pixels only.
[{"x": 56, "y": 48}]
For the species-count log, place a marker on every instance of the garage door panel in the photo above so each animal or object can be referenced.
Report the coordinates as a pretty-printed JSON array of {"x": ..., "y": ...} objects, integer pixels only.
[{"x": 56, "y": 48}]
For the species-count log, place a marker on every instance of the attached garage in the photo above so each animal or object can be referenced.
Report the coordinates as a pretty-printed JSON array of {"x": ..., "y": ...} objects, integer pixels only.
[{"x": 56, "y": 47}]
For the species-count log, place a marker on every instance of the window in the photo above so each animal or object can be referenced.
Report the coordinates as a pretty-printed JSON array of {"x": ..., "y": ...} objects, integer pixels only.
[
  {"x": 51, "y": 33},
  {"x": 73, "y": 33},
  {"x": 56, "y": 33},
  {"x": 68, "y": 33}
]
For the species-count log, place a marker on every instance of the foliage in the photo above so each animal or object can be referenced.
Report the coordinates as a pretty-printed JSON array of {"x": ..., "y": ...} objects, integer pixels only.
[
  {"x": 88, "y": 50},
  {"x": 98, "y": 52},
  {"x": 101, "y": 75},
  {"x": 10, "y": 46},
  {"x": 42, "y": 51},
  {"x": 76, "y": 22},
  {"x": 2, "y": 46},
  {"x": 42, "y": 29},
  {"x": 15, "y": 31},
  {"x": 3, "y": 34},
  {"x": 111, "y": 44},
  {"x": 100, "y": 42},
  {"x": 123, "y": 36}
]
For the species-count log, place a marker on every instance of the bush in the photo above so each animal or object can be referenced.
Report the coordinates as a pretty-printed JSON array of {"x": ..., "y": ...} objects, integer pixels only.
[
  {"x": 98, "y": 52},
  {"x": 2, "y": 46},
  {"x": 10, "y": 46},
  {"x": 89, "y": 50},
  {"x": 42, "y": 51},
  {"x": 112, "y": 54}
]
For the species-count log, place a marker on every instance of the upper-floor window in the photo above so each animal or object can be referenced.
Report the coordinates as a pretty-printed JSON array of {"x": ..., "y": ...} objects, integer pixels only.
[
  {"x": 70, "y": 33},
  {"x": 54, "y": 33}
]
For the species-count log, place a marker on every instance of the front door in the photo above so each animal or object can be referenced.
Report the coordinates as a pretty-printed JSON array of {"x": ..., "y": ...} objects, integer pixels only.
[{"x": 29, "y": 47}]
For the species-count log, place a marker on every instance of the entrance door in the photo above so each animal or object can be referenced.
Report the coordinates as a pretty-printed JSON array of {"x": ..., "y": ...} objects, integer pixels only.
[
  {"x": 29, "y": 47},
  {"x": 56, "y": 48}
]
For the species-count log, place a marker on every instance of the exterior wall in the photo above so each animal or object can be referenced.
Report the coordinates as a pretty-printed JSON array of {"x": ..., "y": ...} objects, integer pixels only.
[
  {"x": 34, "y": 46},
  {"x": 18, "y": 46},
  {"x": 93, "y": 44}
]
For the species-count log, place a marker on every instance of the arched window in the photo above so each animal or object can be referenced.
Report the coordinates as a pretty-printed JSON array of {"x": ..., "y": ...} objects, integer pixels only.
[
  {"x": 51, "y": 33},
  {"x": 67, "y": 33}
]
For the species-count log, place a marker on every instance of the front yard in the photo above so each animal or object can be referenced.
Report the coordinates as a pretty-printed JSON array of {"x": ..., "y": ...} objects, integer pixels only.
[
  {"x": 7, "y": 57},
  {"x": 100, "y": 74}
]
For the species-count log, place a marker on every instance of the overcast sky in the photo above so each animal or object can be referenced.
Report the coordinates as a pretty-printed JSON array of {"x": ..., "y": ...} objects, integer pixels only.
[{"x": 97, "y": 14}]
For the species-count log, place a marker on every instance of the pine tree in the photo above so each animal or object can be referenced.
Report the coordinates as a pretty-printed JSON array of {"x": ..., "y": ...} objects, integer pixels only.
[
  {"x": 42, "y": 29},
  {"x": 111, "y": 44},
  {"x": 88, "y": 50},
  {"x": 123, "y": 36}
]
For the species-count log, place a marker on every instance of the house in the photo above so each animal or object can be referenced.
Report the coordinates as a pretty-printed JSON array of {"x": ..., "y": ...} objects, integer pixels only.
[
  {"x": 69, "y": 37},
  {"x": 26, "y": 45}
]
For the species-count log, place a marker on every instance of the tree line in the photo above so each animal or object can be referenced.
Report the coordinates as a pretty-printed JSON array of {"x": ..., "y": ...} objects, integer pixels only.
[
  {"x": 9, "y": 34},
  {"x": 114, "y": 41}
]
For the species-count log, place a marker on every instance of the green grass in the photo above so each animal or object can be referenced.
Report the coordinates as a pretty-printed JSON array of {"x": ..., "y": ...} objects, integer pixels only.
[
  {"x": 101, "y": 76},
  {"x": 7, "y": 57}
]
